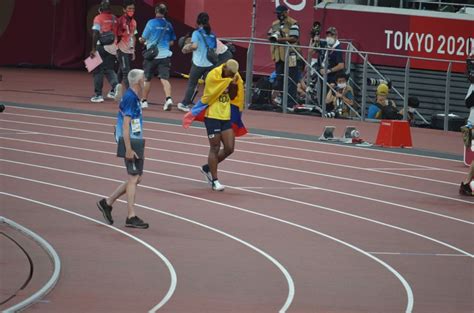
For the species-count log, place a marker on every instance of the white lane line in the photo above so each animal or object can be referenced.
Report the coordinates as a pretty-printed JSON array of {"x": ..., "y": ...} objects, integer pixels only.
[
  {"x": 247, "y": 138},
  {"x": 403, "y": 169},
  {"x": 53, "y": 255},
  {"x": 284, "y": 271},
  {"x": 419, "y": 254},
  {"x": 244, "y": 175},
  {"x": 280, "y": 188},
  {"x": 268, "y": 154},
  {"x": 276, "y": 167},
  {"x": 263, "y": 194},
  {"x": 271, "y": 145},
  {"x": 18, "y": 133},
  {"x": 406, "y": 286},
  {"x": 171, "y": 270}
]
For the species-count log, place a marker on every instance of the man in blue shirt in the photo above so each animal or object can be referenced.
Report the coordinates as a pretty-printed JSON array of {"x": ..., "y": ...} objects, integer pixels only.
[
  {"x": 160, "y": 32},
  {"x": 129, "y": 125}
]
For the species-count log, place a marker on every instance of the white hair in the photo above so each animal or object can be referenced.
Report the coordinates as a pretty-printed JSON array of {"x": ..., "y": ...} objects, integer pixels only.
[{"x": 134, "y": 76}]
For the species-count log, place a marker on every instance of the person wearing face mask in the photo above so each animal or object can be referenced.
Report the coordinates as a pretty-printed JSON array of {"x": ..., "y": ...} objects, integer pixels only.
[
  {"x": 126, "y": 31},
  {"x": 338, "y": 100},
  {"x": 285, "y": 30},
  {"x": 334, "y": 58},
  {"x": 104, "y": 42}
]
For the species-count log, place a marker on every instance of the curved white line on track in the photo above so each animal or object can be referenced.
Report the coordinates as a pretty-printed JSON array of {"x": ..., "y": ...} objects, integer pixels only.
[
  {"x": 405, "y": 284},
  {"x": 271, "y": 145},
  {"x": 255, "y": 192},
  {"x": 236, "y": 173},
  {"x": 270, "y": 166},
  {"x": 380, "y": 171},
  {"x": 53, "y": 255},
  {"x": 286, "y": 274},
  {"x": 251, "y": 191},
  {"x": 171, "y": 270}
]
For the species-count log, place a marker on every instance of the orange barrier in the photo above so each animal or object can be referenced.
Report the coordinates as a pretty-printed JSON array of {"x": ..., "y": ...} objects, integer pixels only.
[{"x": 394, "y": 134}]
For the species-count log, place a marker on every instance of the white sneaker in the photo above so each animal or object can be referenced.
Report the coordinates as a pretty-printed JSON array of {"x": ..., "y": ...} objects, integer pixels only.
[
  {"x": 183, "y": 107},
  {"x": 216, "y": 186},
  {"x": 207, "y": 175},
  {"x": 168, "y": 104},
  {"x": 278, "y": 100},
  {"x": 97, "y": 99},
  {"x": 118, "y": 92},
  {"x": 112, "y": 93},
  {"x": 144, "y": 104}
]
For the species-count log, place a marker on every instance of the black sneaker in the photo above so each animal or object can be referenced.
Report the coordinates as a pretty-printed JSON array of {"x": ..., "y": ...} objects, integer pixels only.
[
  {"x": 135, "y": 222},
  {"x": 465, "y": 189},
  {"x": 207, "y": 173},
  {"x": 106, "y": 211}
]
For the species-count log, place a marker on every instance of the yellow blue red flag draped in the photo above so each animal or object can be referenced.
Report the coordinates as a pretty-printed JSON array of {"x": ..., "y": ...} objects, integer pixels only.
[{"x": 215, "y": 86}]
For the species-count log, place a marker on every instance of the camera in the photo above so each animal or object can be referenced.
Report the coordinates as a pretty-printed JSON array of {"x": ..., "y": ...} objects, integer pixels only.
[
  {"x": 316, "y": 29},
  {"x": 274, "y": 37},
  {"x": 334, "y": 114},
  {"x": 378, "y": 81},
  {"x": 470, "y": 69}
]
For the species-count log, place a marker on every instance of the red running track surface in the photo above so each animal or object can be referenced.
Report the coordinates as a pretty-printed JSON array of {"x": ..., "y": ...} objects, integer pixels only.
[{"x": 301, "y": 227}]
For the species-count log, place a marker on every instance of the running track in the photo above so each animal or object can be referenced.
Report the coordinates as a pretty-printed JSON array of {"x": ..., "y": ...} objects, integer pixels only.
[{"x": 302, "y": 226}]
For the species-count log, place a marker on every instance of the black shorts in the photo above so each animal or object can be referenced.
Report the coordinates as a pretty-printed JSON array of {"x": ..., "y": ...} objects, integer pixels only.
[
  {"x": 215, "y": 126},
  {"x": 134, "y": 167},
  {"x": 160, "y": 66}
]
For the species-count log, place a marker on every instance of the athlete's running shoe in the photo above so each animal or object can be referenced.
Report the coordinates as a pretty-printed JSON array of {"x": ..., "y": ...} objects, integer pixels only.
[
  {"x": 207, "y": 173},
  {"x": 216, "y": 186}
]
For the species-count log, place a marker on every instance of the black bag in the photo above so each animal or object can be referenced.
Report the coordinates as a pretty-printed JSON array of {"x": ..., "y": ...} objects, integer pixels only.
[
  {"x": 389, "y": 112},
  {"x": 152, "y": 52},
  {"x": 262, "y": 93},
  {"x": 231, "y": 47},
  {"x": 106, "y": 38},
  {"x": 138, "y": 145},
  {"x": 212, "y": 55}
]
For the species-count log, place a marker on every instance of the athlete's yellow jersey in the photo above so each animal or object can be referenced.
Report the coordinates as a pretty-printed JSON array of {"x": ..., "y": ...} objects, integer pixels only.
[{"x": 220, "y": 108}]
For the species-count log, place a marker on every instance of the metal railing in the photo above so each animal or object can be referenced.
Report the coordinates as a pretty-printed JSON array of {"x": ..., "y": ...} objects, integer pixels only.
[
  {"x": 441, "y": 5},
  {"x": 349, "y": 51}
]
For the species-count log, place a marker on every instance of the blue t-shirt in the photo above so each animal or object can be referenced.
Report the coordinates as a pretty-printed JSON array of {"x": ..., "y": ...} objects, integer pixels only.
[
  {"x": 200, "y": 54},
  {"x": 129, "y": 106},
  {"x": 152, "y": 33},
  {"x": 373, "y": 110}
]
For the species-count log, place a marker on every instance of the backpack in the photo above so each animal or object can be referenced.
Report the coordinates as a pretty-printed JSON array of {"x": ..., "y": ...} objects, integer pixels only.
[
  {"x": 389, "y": 112},
  {"x": 211, "y": 54},
  {"x": 261, "y": 98}
]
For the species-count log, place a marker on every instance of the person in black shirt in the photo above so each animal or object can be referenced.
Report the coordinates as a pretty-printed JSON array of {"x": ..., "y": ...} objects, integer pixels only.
[{"x": 334, "y": 58}]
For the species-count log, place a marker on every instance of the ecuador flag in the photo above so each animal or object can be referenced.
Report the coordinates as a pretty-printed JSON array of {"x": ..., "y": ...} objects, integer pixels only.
[{"x": 214, "y": 87}]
